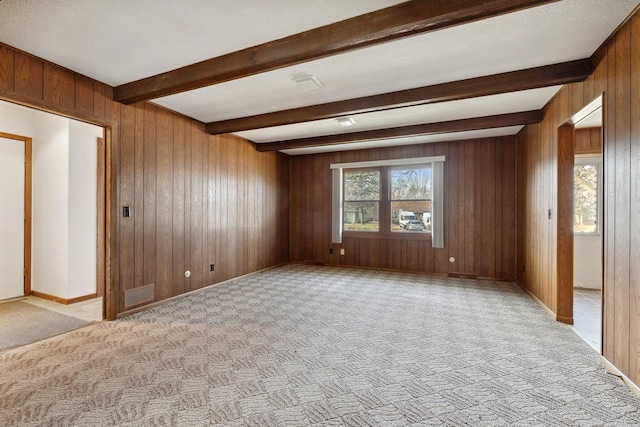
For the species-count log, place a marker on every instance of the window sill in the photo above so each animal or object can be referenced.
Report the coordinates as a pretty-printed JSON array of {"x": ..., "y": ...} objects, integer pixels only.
[{"x": 386, "y": 235}]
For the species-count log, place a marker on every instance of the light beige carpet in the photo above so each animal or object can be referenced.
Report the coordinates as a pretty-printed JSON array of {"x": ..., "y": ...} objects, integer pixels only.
[
  {"x": 23, "y": 323},
  {"x": 319, "y": 346}
]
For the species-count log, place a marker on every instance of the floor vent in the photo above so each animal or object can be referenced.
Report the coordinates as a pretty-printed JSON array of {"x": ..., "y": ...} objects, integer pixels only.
[
  {"x": 141, "y": 295},
  {"x": 463, "y": 275}
]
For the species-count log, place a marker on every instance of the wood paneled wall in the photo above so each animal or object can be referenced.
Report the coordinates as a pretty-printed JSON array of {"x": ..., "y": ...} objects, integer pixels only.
[
  {"x": 617, "y": 76},
  {"x": 588, "y": 141},
  {"x": 195, "y": 199},
  {"x": 480, "y": 196}
]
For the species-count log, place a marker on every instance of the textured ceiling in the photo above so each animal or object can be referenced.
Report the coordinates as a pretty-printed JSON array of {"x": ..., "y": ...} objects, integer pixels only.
[{"x": 119, "y": 41}]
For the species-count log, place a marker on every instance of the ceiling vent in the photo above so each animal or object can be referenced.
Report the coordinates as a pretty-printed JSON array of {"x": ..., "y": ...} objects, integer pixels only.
[
  {"x": 346, "y": 121},
  {"x": 307, "y": 82}
]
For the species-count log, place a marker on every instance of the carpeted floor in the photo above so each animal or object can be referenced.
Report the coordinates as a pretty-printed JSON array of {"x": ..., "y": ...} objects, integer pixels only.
[
  {"x": 302, "y": 345},
  {"x": 23, "y": 323}
]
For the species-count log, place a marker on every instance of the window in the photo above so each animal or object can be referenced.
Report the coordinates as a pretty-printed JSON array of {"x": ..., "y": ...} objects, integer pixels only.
[
  {"x": 407, "y": 206},
  {"x": 361, "y": 201},
  {"x": 388, "y": 198},
  {"x": 410, "y": 198},
  {"x": 586, "y": 179}
]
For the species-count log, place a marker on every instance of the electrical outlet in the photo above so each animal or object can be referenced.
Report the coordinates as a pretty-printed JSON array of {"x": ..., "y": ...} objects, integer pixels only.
[
  {"x": 341, "y": 251},
  {"x": 212, "y": 267}
]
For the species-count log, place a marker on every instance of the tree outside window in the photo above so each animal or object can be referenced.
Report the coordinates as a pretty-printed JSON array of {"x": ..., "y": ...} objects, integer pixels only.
[
  {"x": 361, "y": 201},
  {"x": 398, "y": 196},
  {"x": 585, "y": 198}
]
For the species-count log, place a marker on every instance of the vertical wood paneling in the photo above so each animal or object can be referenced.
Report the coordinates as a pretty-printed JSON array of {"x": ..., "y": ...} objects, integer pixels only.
[
  {"x": 508, "y": 215},
  {"x": 28, "y": 76},
  {"x": 307, "y": 217},
  {"x": 58, "y": 86},
  {"x": 175, "y": 179},
  {"x": 233, "y": 207},
  {"x": 452, "y": 175},
  {"x": 469, "y": 201},
  {"x": 296, "y": 211},
  {"x": 127, "y": 197},
  {"x": 477, "y": 219},
  {"x": 251, "y": 197},
  {"x": 616, "y": 75},
  {"x": 316, "y": 224},
  {"x": 622, "y": 188},
  {"x": 99, "y": 100},
  {"x": 465, "y": 226},
  {"x": 113, "y": 295},
  {"x": 149, "y": 196},
  {"x": 283, "y": 198},
  {"x": 7, "y": 68},
  {"x": 101, "y": 208},
  {"x": 178, "y": 207},
  {"x": 461, "y": 207},
  {"x": 499, "y": 202},
  {"x": 84, "y": 95},
  {"x": 223, "y": 259},
  {"x": 488, "y": 218},
  {"x": 138, "y": 200},
  {"x": 610, "y": 202},
  {"x": 215, "y": 219},
  {"x": 164, "y": 204},
  {"x": 188, "y": 145},
  {"x": 634, "y": 234},
  {"x": 203, "y": 266},
  {"x": 197, "y": 222},
  {"x": 564, "y": 306}
]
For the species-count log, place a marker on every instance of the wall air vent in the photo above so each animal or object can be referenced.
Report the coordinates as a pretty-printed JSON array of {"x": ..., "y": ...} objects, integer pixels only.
[{"x": 136, "y": 296}]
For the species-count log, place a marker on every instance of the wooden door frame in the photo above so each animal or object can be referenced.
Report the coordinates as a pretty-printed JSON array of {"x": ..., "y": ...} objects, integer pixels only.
[
  {"x": 564, "y": 278},
  {"x": 28, "y": 182},
  {"x": 564, "y": 258},
  {"x": 110, "y": 300}
]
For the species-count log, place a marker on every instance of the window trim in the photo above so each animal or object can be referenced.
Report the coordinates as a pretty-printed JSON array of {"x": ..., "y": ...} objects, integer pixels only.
[
  {"x": 437, "y": 198},
  {"x": 392, "y": 162}
]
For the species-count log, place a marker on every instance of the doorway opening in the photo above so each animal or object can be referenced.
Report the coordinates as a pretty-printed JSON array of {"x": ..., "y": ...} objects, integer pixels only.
[
  {"x": 580, "y": 235},
  {"x": 15, "y": 210},
  {"x": 66, "y": 241},
  {"x": 587, "y": 221}
]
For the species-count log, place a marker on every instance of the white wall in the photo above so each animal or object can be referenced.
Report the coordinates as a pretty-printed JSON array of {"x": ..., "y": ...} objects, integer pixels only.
[
  {"x": 50, "y": 241},
  {"x": 83, "y": 182},
  {"x": 11, "y": 218},
  {"x": 18, "y": 121},
  {"x": 587, "y": 261},
  {"x": 64, "y": 199}
]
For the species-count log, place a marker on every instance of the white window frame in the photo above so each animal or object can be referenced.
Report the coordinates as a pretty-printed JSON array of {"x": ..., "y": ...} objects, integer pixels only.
[{"x": 437, "y": 193}]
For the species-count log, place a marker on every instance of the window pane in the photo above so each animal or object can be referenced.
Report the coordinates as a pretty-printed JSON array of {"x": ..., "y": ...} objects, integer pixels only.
[
  {"x": 363, "y": 185},
  {"x": 413, "y": 217},
  {"x": 585, "y": 198},
  {"x": 361, "y": 216},
  {"x": 411, "y": 184}
]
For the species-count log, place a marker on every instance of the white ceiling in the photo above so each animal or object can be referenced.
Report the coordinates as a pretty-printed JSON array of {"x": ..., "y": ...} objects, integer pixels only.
[{"x": 119, "y": 41}]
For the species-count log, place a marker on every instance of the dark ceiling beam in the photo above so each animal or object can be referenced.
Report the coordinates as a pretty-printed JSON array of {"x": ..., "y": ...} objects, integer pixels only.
[
  {"x": 532, "y": 78},
  {"x": 402, "y": 20},
  {"x": 476, "y": 123}
]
